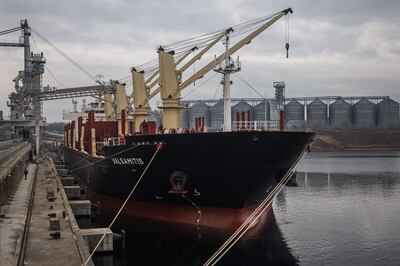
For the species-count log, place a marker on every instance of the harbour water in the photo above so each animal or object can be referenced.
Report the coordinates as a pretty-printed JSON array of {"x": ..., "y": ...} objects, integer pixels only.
[{"x": 344, "y": 211}]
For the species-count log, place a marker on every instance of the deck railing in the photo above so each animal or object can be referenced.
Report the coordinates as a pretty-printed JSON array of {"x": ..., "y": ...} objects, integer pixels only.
[
  {"x": 255, "y": 125},
  {"x": 114, "y": 141}
]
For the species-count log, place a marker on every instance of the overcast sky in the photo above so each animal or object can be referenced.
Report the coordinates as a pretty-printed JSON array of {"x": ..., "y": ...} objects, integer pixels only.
[{"x": 341, "y": 47}]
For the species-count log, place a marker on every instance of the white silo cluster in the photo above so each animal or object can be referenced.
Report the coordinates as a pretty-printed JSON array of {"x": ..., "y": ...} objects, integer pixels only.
[
  {"x": 308, "y": 112},
  {"x": 344, "y": 114}
]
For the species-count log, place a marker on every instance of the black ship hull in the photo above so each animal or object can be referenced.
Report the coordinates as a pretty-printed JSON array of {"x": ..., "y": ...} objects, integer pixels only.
[{"x": 213, "y": 180}]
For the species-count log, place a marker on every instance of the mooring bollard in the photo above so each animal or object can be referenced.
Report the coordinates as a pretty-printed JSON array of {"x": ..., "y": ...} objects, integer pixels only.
[
  {"x": 54, "y": 224},
  {"x": 55, "y": 235}
]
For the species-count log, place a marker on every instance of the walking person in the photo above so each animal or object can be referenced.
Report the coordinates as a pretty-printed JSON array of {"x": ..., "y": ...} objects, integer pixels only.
[{"x": 26, "y": 173}]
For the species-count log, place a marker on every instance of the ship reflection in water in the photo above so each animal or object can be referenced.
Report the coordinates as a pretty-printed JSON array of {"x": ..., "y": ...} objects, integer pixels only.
[
  {"x": 267, "y": 247},
  {"x": 345, "y": 211}
]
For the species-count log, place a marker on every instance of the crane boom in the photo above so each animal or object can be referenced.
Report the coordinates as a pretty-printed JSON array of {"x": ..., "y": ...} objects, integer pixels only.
[
  {"x": 158, "y": 71},
  {"x": 246, "y": 40},
  {"x": 141, "y": 98},
  {"x": 188, "y": 64},
  {"x": 152, "y": 76},
  {"x": 191, "y": 61},
  {"x": 202, "y": 52},
  {"x": 232, "y": 50},
  {"x": 183, "y": 57}
]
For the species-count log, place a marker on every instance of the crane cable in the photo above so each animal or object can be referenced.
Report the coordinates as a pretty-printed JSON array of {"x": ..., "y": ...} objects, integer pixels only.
[
  {"x": 54, "y": 77},
  {"x": 9, "y": 30},
  {"x": 47, "y": 68},
  {"x": 242, "y": 79},
  {"x": 68, "y": 58},
  {"x": 238, "y": 29},
  {"x": 216, "y": 91},
  {"x": 287, "y": 34},
  {"x": 198, "y": 87},
  {"x": 205, "y": 39},
  {"x": 251, "y": 220},
  {"x": 123, "y": 205},
  {"x": 213, "y": 34}
]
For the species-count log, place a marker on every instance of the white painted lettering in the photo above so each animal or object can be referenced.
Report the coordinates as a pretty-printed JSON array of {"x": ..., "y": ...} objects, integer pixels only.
[{"x": 133, "y": 161}]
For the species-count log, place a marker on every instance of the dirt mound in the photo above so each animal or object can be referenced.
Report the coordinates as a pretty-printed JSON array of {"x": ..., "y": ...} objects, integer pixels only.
[{"x": 357, "y": 140}]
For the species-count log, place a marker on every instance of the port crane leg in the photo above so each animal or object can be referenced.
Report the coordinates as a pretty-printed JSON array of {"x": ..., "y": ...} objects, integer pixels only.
[
  {"x": 139, "y": 99},
  {"x": 169, "y": 95}
]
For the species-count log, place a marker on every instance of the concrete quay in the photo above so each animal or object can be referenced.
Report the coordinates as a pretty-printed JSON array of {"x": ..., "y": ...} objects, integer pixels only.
[
  {"x": 41, "y": 230},
  {"x": 81, "y": 207},
  {"x": 67, "y": 181},
  {"x": 42, "y": 249},
  {"x": 13, "y": 223},
  {"x": 92, "y": 237},
  {"x": 73, "y": 192}
]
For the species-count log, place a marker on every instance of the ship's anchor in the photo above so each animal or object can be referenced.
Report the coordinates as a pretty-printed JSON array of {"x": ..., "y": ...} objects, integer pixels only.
[{"x": 178, "y": 181}]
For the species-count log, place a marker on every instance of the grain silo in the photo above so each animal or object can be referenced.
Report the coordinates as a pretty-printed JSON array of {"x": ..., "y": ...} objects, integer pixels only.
[
  {"x": 340, "y": 114},
  {"x": 388, "y": 113},
  {"x": 184, "y": 118},
  {"x": 317, "y": 114},
  {"x": 242, "y": 112},
  {"x": 217, "y": 115},
  {"x": 294, "y": 111},
  {"x": 261, "y": 111},
  {"x": 155, "y": 116},
  {"x": 199, "y": 114},
  {"x": 364, "y": 114}
]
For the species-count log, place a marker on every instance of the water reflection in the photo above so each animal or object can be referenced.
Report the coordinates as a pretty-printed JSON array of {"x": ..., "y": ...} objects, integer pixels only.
[
  {"x": 363, "y": 181},
  {"x": 344, "y": 210},
  {"x": 350, "y": 162},
  {"x": 267, "y": 247}
]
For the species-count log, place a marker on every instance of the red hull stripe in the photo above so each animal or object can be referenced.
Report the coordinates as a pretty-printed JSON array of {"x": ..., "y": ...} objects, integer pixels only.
[{"x": 218, "y": 218}]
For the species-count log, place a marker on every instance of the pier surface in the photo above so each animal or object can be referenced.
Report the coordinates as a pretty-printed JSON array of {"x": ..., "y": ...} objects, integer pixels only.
[
  {"x": 26, "y": 236},
  {"x": 41, "y": 248},
  {"x": 12, "y": 225}
]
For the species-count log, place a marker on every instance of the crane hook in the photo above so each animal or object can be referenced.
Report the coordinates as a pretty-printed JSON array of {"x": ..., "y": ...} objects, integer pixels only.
[{"x": 287, "y": 50}]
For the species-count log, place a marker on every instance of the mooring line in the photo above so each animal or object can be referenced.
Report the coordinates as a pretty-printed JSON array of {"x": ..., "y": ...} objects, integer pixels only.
[
  {"x": 123, "y": 205},
  {"x": 229, "y": 244},
  {"x": 253, "y": 217}
]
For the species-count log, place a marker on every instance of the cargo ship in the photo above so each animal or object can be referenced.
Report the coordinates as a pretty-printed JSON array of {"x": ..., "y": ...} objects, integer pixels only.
[
  {"x": 208, "y": 177},
  {"x": 212, "y": 179}
]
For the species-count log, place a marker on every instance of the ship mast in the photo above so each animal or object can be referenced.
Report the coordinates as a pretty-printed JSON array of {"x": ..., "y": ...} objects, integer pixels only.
[{"x": 226, "y": 68}]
